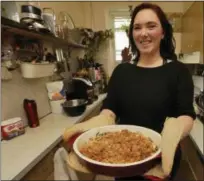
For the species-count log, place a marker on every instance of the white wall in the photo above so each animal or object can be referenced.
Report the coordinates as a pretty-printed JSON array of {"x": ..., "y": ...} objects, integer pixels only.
[
  {"x": 97, "y": 17},
  {"x": 14, "y": 91}
]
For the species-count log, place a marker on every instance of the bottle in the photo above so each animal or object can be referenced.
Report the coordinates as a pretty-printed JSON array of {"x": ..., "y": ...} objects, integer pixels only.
[{"x": 30, "y": 108}]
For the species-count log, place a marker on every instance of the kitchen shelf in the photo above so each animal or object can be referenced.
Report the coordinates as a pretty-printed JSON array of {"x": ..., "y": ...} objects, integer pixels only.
[{"x": 20, "y": 29}]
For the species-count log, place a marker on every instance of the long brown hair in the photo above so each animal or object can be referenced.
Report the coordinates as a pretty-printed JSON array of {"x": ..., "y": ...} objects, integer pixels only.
[{"x": 167, "y": 45}]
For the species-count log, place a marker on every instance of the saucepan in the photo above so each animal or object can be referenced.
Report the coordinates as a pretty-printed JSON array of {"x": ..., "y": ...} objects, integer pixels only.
[{"x": 75, "y": 107}]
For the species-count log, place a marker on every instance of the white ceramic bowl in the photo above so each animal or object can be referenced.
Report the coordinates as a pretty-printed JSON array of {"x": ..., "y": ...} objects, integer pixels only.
[{"x": 120, "y": 170}]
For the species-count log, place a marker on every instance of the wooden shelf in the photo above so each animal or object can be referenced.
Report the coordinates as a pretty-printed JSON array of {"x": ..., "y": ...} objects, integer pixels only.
[{"x": 20, "y": 29}]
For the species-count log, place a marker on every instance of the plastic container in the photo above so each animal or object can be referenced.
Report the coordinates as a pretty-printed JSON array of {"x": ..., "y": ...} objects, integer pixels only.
[
  {"x": 11, "y": 128},
  {"x": 56, "y": 106},
  {"x": 37, "y": 70}
]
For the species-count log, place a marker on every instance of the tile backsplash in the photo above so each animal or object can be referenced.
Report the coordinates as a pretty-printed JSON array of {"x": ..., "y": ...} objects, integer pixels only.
[{"x": 14, "y": 91}]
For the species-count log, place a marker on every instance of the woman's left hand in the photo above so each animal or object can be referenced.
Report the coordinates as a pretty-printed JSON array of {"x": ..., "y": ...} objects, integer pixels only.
[
  {"x": 172, "y": 133},
  {"x": 155, "y": 173}
]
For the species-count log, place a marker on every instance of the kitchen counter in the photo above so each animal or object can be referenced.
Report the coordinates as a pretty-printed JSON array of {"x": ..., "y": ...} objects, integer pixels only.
[
  {"x": 197, "y": 135},
  {"x": 22, "y": 153}
]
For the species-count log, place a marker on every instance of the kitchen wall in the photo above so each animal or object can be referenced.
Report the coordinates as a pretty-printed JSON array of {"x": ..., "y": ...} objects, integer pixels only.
[
  {"x": 98, "y": 11},
  {"x": 198, "y": 83},
  {"x": 14, "y": 91},
  {"x": 85, "y": 14},
  {"x": 97, "y": 17},
  {"x": 186, "y": 5}
]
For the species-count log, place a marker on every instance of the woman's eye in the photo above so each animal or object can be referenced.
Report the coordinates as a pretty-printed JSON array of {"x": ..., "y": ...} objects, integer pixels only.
[
  {"x": 151, "y": 26},
  {"x": 137, "y": 28}
]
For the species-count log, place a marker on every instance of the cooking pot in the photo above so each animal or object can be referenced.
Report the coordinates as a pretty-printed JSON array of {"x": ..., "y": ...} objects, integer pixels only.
[
  {"x": 30, "y": 12},
  {"x": 74, "y": 107}
]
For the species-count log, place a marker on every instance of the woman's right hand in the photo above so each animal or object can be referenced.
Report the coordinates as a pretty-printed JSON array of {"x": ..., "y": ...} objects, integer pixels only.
[{"x": 106, "y": 117}]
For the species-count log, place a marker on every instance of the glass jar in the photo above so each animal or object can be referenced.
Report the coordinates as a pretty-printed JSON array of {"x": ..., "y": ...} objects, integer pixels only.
[{"x": 66, "y": 23}]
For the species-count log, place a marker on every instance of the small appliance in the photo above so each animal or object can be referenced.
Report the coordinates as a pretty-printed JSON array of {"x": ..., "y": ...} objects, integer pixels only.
[{"x": 81, "y": 89}]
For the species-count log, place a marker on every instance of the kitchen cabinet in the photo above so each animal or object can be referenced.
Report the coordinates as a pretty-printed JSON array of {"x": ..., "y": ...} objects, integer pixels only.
[
  {"x": 44, "y": 170},
  {"x": 192, "y": 30},
  {"x": 191, "y": 167}
]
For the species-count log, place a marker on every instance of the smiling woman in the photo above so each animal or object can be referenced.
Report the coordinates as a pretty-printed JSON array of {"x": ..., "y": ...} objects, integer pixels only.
[
  {"x": 156, "y": 86},
  {"x": 151, "y": 34}
]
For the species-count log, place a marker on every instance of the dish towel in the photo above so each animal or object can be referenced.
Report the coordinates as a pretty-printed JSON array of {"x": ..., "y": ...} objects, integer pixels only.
[{"x": 61, "y": 169}]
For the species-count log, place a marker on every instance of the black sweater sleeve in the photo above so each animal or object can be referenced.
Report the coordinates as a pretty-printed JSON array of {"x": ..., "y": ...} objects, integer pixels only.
[
  {"x": 185, "y": 93},
  {"x": 111, "y": 100}
]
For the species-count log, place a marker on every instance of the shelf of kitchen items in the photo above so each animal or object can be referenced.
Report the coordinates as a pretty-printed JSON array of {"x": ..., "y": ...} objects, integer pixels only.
[
  {"x": 20, "y": 29},
  {"x": 37, "y": 70}
]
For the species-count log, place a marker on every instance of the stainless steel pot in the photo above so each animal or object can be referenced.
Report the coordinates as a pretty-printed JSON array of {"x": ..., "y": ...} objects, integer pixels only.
[
  {"x": 30, "y": 12},
  {"x": 74, "y": 107}
]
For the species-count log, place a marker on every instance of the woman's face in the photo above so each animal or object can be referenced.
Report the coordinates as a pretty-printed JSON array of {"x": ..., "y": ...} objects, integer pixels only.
[{"x": 147, "y": 32}]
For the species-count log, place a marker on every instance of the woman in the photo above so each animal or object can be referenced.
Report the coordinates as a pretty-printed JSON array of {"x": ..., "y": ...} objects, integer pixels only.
[{"x": 155, "y": 87}]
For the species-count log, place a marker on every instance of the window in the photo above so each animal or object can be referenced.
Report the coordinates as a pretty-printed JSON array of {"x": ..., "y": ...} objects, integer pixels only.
[{"x": 120, "y": 20}]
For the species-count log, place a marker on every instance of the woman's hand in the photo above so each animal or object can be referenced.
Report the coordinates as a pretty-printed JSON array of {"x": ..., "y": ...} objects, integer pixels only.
[
  {"x": 106, "y": 117},
  {"x": 174, "y": 130},
  {"x": 126, "y": 56}
]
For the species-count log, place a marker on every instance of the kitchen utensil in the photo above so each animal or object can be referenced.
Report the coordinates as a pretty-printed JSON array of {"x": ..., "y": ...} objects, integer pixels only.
[
  {"x": 37, "y": 70},
  {"x": 40, "y": 27},
  {"x": 9, "y": 10},
  {"x": 49, "y": 19},
  {"x": 30, "y": 108},
  {"x": 118, "y": 170},
  {"x": 74, "y": 107},
  {"x": 92, "y": 74},
  {"x": 66, "y": 23},
  {"x": 29, "y": 12},
  {"x": 82, "y": 89},
  {"x": 59, "y": 31}
]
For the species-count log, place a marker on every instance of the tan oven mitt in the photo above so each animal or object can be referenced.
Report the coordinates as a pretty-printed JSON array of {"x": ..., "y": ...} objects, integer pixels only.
[
  {"x": 97, "y": 121},
  {"x": 171, "y": 136},
  {"x": 74, "y": 163}
]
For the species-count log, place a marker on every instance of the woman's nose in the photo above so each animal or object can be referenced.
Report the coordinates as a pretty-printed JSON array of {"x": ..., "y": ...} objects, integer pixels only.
[{"x": 144, "y": 32}]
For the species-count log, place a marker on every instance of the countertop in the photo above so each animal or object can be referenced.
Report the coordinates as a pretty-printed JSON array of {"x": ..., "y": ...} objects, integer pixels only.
[
  {"x": 22, "y": 153},
  {"x": 197, "y": 135}
]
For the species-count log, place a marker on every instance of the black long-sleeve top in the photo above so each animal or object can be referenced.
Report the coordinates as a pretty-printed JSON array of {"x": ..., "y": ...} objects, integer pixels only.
[{"x": 146, "y": 96}]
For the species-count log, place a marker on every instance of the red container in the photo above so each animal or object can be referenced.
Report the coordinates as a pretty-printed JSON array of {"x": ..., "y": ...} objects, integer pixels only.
[{"x": 30, "y": 108}]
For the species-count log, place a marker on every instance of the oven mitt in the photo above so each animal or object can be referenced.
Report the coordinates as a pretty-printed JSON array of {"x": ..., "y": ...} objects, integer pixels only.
[
  {"x": 74, "y": 163},
  {"x": 96, "y": 121},
  {"x": 69, "y": 133},
  {"x": 171, "y": 136}
]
